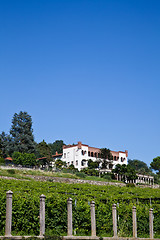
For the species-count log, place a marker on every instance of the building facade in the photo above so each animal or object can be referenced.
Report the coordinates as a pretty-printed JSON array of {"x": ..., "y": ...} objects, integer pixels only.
[{"x": 79, "y": 154}]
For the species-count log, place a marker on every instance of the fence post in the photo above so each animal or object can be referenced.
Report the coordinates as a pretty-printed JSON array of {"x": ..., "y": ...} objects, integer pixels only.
[
  {"x": 114, "y": 215},
  {"x": 134, "y": 218},
  {"x": 42, "y": 215},
  {"x": 8, "y": 213},
  {"x": 69, "y": 215},
  {"x": 93, "y": 219},
  {"x": 151, "y": 223}
]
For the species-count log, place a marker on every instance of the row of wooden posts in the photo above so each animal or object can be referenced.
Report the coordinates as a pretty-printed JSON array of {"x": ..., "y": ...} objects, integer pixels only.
[{"x": 8, "y": 225}]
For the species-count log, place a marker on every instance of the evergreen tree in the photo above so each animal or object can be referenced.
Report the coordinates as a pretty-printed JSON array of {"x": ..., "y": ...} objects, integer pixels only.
[
  {"x": 56, "y": 146},
  {"x": 6, "y": 145},
  {"x": 22, "y": 134}
]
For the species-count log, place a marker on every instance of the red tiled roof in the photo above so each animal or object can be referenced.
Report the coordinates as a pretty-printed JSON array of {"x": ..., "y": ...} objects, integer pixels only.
[{"x": 9, "y": 158}]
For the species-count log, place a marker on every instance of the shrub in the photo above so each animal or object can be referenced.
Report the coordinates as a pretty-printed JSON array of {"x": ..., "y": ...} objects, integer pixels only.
[
  {"x": 11, "y": 171},
  {"x": 80, "y": 174}
]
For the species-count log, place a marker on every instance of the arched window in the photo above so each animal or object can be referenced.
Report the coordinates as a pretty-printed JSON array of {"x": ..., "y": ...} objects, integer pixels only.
[
  {"x": 115, "y": 158},
  {"x": 89, "y": 153},
  {"x": 95, "y": 154}
]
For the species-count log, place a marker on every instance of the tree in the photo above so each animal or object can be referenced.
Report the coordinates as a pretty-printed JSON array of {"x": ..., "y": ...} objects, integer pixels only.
[
  {"x": 56, "y": 146},
  {"x": 6, "y": 145},
  {"x": 155, "y": 164},
  {"x": 24, "y": 159},
  {"x": 125, "y": 171},
  {"x": 139, "y": 166},
  {"x": 107, "y": 157},
  {"x": 93, "y": 165},
  {"x": 44, "y": 152},
  {"x": 22, "y": 133}
]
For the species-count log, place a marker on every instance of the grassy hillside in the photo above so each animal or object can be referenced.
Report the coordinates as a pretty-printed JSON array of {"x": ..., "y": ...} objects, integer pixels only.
[{"x": 26, "y": 207}]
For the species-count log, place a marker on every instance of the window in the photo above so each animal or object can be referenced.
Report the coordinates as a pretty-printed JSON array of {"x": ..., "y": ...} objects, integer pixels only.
[
  {"x": 76, "y": 162},
  {"x": 64, "y": 155},
  {"x": 115, "y": 158},
  {"x": 82, "y": 152},
  {"x": 121, "y": 159},
  {"x": 95, "y": 154},
  {"x": 82, "y": 163},
  {"x": 72, "y": 162},
  {"x": 89, "y": 153}
]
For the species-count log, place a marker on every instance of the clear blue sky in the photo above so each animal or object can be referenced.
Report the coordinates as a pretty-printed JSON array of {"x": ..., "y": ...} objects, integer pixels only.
[{"x": 84, "y": 70}]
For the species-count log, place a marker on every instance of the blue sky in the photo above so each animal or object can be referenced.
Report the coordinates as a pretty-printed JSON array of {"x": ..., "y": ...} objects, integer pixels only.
[{"x": 84, "y": 70}]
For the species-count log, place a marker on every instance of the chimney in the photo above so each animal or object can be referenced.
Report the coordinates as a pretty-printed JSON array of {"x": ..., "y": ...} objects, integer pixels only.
[
  {"x": 79, "y": 145},
  {"x": 126, "y": 153}
]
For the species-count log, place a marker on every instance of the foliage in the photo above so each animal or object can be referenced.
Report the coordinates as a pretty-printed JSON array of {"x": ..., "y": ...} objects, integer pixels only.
[
  {"x": 11, "y": 171},
  {"x": 59, "y": 164},
  {"x": 44, "y": 152},
  {"x": 5, "y": 145},
  {"x": 106, "y": 155},
  {"x": 140, "y": 166},
  {"x": 90, "y": 172},
  {"x": 24, "y": 159},
  {"x": 26, "y": 207},
  {"x": 72, "y": 168},
  {"x": 56, "y": 146},
  {"x": 93, "y": 164},
  {"x": 21, "y": 135},
  {"x": 2, "y": 161},
  {"x": 126, "y": 172},
  {"x": 155, "y": 164},
  {"x": 80, "y": 174},
  {"x": 107, "y": 176}
]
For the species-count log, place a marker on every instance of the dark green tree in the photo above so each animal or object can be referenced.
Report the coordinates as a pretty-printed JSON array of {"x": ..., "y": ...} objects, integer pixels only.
[
  {"x": 155, "y": 164},
  {"x": 56, "y": 146},
  {"x": 139, "y": 166},
  {"x": 6, "y": 145},
  {"x": 107, "y": 157},
  {"x": 44, "y": 153},
  {"x": 93, "y": 165},
  {"x": 125, "y": 171},
  {"x": 22, "y": 133}
]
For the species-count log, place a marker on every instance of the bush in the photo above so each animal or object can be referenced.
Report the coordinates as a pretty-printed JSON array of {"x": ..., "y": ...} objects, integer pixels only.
[
  {"x": 107, "y": 176},
  {"x": 2, "y": 161},
  {"x": 11, "y": 171},
  {"x": 80, "y": 174}
]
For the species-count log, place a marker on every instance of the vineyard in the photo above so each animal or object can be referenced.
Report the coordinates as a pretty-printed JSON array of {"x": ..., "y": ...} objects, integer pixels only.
[{"x": 26, "y": 208}]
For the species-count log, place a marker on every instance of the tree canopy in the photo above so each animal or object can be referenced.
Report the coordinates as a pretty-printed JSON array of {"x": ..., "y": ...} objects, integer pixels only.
[
  {"x": 155, "y": 164},
  {"x": 126, "y": 171},
  {"x": 56, "y": 146},
  {"x": 21, "y": 133},
  {"x": 106, "y": 156},
  {"x": 140, "y": 166}
]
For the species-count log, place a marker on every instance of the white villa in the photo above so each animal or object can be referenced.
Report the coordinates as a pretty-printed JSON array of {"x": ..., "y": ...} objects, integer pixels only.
[{"x": 79, "y": 154}]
